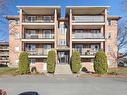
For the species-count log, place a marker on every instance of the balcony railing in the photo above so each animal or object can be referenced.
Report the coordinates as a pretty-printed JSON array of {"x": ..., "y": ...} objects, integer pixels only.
[
  {"x": 37, "y": 36},
  {"x": 4, "y": 54},
  {"x": 40, "y": 19},
  {"x": 87, "y": 36},
  {"x": 88, "y": 19},
  {"x": 4, "y": 48},
  {"x": 35, "y": 53},
  {"x": 85, "y": 52}
]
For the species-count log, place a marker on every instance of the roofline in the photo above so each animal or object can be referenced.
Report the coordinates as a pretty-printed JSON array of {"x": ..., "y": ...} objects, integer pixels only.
[
  {"x": 115, "y": 17},
  {"x": 19, "y": 7},
  {"x": 11, "y": 17},
  {"x": 87, "y": 7}
]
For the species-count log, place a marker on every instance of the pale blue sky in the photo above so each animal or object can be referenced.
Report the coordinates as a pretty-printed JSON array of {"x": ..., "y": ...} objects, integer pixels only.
[{"x": 114, "y": 10}]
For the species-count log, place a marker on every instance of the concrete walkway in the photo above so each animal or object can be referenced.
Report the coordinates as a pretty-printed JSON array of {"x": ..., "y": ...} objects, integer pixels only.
[{"x": 64, "y": 85}]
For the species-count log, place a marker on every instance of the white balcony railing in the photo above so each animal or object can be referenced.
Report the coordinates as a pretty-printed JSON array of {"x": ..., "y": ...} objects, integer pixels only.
[
  {"x": 88, "y": 19},
  {"x": 89, "y": 52},
  {"x": 87, "y": 36},
  {"x": 38, "y": 21},
  {"x": 37, "y": 36}
]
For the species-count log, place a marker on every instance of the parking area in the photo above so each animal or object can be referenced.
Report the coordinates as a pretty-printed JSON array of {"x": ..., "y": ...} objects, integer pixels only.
[{"x": 63, "y": 85}]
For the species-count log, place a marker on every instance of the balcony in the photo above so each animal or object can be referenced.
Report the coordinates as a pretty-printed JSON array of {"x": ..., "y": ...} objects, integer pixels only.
[
  {"x": 4, "y": 48},
  {"x": 86, "y": 53},
  {"x": 88, "y": 37},
  {"x": 88, "y": 19},
  {"x": 4, "y": 54},
  {"x": 38, "y": 19},
  {"x": 36, "y": 54},
  {"x": 39, "y": 37}
]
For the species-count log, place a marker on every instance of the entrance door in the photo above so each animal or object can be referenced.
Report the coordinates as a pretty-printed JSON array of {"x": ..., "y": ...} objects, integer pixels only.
[{"x": 63, "y": 57}]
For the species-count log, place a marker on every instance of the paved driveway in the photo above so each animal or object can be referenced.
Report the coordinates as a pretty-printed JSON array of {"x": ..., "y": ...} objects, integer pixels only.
[{"x": 67, "y": 85}]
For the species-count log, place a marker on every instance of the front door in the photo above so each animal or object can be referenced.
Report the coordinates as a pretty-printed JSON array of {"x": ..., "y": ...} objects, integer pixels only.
[{"x": 63, "y": 57}]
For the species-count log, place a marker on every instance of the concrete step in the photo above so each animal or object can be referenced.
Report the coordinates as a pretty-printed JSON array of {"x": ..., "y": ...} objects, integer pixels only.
[{"x": 63, "y": 69}]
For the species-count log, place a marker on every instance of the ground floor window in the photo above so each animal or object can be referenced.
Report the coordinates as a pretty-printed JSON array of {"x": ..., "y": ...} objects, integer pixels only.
[
  {"x": 32, "y": 61},
  {"x": 87, "y": 60}
]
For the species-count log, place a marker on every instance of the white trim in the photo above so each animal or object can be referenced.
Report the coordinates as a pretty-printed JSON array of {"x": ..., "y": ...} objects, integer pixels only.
[
  {"x": 37, "y": 56},
  {"x": 88, "y": 40},
  {"x": 38, "y": 40}
]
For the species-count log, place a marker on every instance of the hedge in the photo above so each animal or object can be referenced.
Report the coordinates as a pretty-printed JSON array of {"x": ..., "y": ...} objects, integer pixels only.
[
  {"x": 75, "y": 62},
  {"x": 100, "y": 62},
  {"x": 51, "y": 61},
  {"x": 24, "y": 67}
]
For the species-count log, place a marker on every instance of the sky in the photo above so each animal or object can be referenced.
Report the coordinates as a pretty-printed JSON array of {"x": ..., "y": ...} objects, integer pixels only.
[{"x": 115, "y": 9}]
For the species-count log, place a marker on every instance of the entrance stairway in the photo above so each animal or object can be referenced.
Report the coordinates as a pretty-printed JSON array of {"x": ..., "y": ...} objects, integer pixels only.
[{"x": 63, "y": 69}]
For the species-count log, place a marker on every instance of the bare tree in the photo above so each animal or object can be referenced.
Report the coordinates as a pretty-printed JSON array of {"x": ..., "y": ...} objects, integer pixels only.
[
  {"x": 122, "y": 38},
  {"x": 122, "y": 32},
  {"x": 4, "y": 10}
]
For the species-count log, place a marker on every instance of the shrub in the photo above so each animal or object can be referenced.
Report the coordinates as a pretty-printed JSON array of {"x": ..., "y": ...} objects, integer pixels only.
[
  {"x": 51, "y": 61},
  {"x": 24, "y": 63},
  {"x": 100, "y": 62},
  {"x": 75, "y": 62}
]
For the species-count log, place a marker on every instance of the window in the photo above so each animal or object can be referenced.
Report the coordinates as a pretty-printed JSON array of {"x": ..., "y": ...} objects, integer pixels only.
[
  {"x": 79, "y": 48},
  {"x": 63, "y": 29},
  {"x": 32, "y": 61},
  {"x": 95, "y": 47},
  {"x": 109, "y": 62},
  {"x": 16, "y": 61},
  {"x": 31, "y": 47},
  {"x": 17, "y": 36},
  {"x": 109, "y": 22},
  {"x": 31, "y": 18},
  {"x": 17, "y": 21},
  {"x": 86, "y": 60},
  {"x": 47, "y": 18},
  {"x": 47, "y": 34},
  {"x": 109, "y": 35},
  {"x": 46, "y": 49},
  {"x": 109, "y": 48},
  {"x": 17, "y": 49},
  {"x": 62, "y": 42},
  {"x": 31, "y": 34}
]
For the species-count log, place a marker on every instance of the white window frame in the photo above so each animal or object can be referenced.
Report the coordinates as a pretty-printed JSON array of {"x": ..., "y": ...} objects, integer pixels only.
[
  {"x": 31, "y": 18},
  {"x": 17, "y": 35},
  {"x": 17, "y": 48}
]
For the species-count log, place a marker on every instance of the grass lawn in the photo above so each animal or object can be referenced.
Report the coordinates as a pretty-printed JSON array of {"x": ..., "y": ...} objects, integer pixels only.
[
  {"x": 8, "y": 71},
  {"x": 120, "y": 70}
]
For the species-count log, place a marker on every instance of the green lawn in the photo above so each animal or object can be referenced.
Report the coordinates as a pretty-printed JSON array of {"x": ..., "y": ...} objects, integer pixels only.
[
  {"x": 8, "y": 71},
  {"x": 120, "y": 70}
]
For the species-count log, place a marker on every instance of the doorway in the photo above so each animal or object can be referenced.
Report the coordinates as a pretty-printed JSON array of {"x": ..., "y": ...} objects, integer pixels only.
[{"x": 63, "y": 57}]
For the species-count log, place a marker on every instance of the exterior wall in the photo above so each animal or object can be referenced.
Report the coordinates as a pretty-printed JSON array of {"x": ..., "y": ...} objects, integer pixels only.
[
  {"x": 105, "y": 30},
  {"x": 112, "y": 54},
  {"x": 13, "y": 42}
]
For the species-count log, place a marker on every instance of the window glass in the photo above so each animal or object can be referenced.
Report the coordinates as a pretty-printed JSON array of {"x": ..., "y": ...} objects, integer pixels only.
[
  {"x": 109, "y": 22},
  {"x": 31, "y": 18},
  {"x": 32, "y": 61},
  {"x": 17, "y": 49},
  {"x": 31, "y": 47},
  {"x": 17, "y": 36},
  {"x": 17, "y": 21},
  {"x": 16, "y": 61},
  {"x": 109, "y": 48},
  {"x": 109, "y": 35},
  {"x": 62, "y": 42},
  {"x": 109, "y": 62}
]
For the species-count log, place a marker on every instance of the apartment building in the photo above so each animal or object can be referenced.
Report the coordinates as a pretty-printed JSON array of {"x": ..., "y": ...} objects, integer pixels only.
[
  {"x": 38, "y": 29},
  {"x": 4, "y": 53}
]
